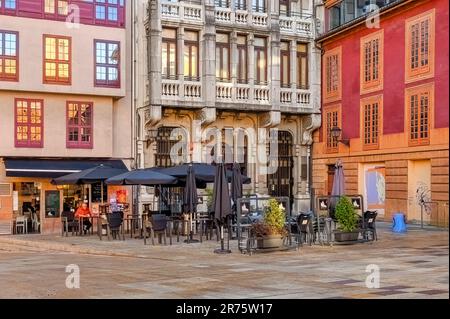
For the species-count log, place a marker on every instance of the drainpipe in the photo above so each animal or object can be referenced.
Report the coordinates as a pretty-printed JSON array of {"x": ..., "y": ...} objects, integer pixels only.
[
  {"x": 134, "y": 128},
  {"x": 311, "y": 147}
]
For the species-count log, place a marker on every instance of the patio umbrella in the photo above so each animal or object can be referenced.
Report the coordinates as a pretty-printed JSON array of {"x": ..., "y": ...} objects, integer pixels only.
[
  {"x": 190, "y": 198},
  {"x": 204, "y": 173},
  {"x": 236, "y": 185},
  {"x": 147, "y": 177},
  {"x": 236, "y": 189},
  {"x": 89, "y": 176},
  {"x": 339, "y": 181},
  {"x": 221, "y": 202},
  {"x": 338, "y": 187}
]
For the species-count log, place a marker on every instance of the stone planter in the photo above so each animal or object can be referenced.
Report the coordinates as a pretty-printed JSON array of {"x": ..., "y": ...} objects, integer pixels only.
[
  {"x": 340, "y": 236},
  {"x": 271, "y": 241}
]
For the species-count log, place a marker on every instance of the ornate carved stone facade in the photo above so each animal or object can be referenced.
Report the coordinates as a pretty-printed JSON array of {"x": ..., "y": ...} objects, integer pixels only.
[{"x": 193, "y": 85}]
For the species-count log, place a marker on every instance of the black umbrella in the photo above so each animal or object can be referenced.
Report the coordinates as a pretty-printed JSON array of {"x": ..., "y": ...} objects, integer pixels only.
[
  {"x": 147, "y": 177},
  {"x": 204, "y": 173},
  {"x": 338, "y": 187},
  {"x": 236, "y": 185},
  {"x": 221, "y": 202},
  {"x": 89, "y": 176},
  {"x": 190, "y": 198}
]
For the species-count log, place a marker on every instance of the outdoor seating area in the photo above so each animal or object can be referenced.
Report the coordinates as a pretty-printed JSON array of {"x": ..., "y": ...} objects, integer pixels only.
[{"x": 258, "y": 223}]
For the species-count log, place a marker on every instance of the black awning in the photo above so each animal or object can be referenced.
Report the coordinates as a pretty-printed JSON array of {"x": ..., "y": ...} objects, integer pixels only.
[{"x": 53, "y": 168}]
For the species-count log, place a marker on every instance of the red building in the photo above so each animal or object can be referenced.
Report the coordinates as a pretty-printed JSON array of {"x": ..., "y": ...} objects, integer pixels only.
[{"x": 385, "y": 104}]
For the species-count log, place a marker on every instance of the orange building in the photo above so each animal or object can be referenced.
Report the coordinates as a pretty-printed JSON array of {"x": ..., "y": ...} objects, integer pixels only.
[
  {"x": 65, "y": 101},
  {"x": 385, "y": 105}
]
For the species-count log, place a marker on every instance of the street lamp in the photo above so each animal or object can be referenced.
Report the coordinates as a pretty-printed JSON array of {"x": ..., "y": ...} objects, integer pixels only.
[
  {"x": 152, "y": 135},
  {"x": 336, "y": 133}
]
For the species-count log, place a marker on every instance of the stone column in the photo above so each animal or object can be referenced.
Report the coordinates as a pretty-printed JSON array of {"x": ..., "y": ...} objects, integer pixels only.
[
  {"x": 274, "y": 56},
  {"x": 293, "y": 66},
  {"x": 154, "y": 60},
  {"x": 251, "y": 65},
  {"x": 209, "y": 56},
  {"x": 233, "y": 56},
  {"x": 180, "y": 60},
  {"x": 293, "y": 70}
]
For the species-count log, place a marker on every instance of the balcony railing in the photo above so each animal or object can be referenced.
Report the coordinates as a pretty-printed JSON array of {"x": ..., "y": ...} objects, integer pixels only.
[
  {"x": 224, "y": 14},
  {"x": 181, "y": 10},
  {"x": 172, "y": 89},
  {"x": 296, "y": 25},
  {"x": 183, "y": 90},
  {"x": 295, "y": 97}
]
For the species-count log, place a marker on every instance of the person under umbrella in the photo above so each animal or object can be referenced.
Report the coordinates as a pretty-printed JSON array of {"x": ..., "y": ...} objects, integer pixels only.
[
  {"x": 222, "y": 204},
  {"x": 190, "y": 200}
]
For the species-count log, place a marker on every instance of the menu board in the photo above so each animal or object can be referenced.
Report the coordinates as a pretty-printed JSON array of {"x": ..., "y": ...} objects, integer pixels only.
[
  {"x": 52, "y": 204},
  {"x": 96, "y": 193}
]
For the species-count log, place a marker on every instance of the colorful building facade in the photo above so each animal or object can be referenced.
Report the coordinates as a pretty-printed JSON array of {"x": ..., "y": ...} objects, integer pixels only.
[
  {"x": 64, "y": 100},
  {"x": 385, "y": 105}
]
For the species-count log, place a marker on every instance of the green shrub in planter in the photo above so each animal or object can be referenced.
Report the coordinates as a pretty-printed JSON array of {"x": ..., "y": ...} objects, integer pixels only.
[
  {"x": 273, "y": 220},
  {"x": 345, "y": 215}
]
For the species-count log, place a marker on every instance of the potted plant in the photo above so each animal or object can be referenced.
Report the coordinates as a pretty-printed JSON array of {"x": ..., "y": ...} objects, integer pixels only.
[
  {"x": 347, "y": 221},
  {"x": 271, "y": 231}
]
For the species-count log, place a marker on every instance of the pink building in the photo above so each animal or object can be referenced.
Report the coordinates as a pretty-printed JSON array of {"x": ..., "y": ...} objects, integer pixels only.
[{"x": 64, "y": 99}]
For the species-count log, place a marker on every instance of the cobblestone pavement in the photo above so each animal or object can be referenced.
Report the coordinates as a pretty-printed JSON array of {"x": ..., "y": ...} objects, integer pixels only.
[{"x": 412, "y": 265}]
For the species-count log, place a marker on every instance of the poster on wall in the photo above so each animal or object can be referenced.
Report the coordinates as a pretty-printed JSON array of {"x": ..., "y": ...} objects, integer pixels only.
[{"x": 375, "y": 187}]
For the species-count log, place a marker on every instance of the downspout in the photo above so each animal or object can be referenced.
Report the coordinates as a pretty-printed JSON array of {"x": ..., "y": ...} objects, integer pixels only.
[
  {"x": 311, "y": 147},
  {"x": 134, "y": 137}
]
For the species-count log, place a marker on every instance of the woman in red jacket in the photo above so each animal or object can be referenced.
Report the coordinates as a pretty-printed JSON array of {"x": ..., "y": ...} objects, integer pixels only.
[{"x": 84, "y": 211}]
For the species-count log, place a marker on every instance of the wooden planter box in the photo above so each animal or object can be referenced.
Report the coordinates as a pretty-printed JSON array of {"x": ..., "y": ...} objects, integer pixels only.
[
  {"x": 340, "y": 236},
  {"x": 272, "y": 241}
]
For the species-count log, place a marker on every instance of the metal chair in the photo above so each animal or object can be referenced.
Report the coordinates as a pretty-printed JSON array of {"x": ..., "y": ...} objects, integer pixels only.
[
  {"x": 115, "y": 225},
  {"x": 69, "y": 222},
  {"x": 157, "y": 225},
  {"x": 305, "y": 228},
  {"x": 370, "y": 225}
]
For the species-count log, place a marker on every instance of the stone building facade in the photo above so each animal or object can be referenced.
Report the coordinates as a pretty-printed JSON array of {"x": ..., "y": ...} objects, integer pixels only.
[{"x": 229, "y": 74}]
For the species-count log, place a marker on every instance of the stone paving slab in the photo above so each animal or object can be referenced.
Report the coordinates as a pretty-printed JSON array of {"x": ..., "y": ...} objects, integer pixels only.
[{"x": 412, "y": 265}]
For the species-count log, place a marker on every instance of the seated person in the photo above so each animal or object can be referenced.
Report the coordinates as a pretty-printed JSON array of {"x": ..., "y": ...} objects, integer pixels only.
[{"x": 84, "y": 211}]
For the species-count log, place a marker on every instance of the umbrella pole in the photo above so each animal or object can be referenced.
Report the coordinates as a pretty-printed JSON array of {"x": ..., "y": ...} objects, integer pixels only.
[
  {"x": 159, "y": 202},
  {"x": 101, "y": 191},
  {"x": 222, "y": 249}
]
